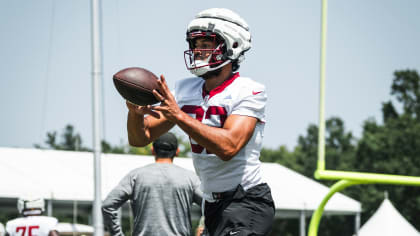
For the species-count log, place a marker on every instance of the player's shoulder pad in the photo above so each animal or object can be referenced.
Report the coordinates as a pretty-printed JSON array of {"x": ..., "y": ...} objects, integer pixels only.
[
  {"x": 12, "y": 221},
  {"x": 248, "y": 87},
  {"x": 49, "y": 218}
]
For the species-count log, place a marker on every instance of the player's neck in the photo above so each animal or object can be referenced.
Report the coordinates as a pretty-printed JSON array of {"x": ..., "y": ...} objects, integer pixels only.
[
  {"x": 163, "y": 160},
  {"x": 214, "y": 81}
]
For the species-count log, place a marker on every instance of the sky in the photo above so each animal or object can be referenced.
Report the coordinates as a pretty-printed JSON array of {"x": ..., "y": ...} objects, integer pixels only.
[{"x": 45, "y": 61}]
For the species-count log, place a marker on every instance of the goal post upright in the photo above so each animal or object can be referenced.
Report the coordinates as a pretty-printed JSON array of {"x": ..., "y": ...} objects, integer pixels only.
[
  {"x": 321, "y": 132},
  {"x": 345, "y": 178}
]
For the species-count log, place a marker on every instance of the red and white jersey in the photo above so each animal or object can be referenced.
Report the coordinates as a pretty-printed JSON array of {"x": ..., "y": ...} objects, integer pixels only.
[
  {"x": 31, "y": 226},
  {"x": 237, "y": 95}
]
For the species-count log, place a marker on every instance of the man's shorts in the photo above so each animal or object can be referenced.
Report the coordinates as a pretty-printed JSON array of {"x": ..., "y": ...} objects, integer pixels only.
[{"x": 240, "y": 213}]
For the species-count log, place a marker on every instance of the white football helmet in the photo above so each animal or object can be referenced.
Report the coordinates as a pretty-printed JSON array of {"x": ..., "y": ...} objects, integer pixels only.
[
  {"x": 227, "y": 29},
  {"x": 35, "y": 205}
]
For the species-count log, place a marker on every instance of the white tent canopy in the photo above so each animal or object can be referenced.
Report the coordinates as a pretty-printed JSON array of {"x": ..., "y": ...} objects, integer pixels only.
[
  {"x": 387, "y": 221},
  {"x": 70, "y": 229},
  {"x": 68, "y": 176}
]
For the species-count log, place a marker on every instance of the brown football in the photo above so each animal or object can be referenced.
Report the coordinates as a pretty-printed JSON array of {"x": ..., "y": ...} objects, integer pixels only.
[{"x": 136, "y": 85}]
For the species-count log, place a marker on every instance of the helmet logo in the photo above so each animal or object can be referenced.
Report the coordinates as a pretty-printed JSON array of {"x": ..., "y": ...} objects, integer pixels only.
[{"x": 211, "y": 26}]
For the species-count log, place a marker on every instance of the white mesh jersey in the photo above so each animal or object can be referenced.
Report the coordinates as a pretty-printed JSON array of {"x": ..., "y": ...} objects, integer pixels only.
[
  {"x": 237, "y": 95},
  {"x": 31, "y": 226}
]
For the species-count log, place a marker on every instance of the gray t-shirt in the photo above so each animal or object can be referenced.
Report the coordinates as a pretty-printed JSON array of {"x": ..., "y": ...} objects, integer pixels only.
[{"x": 161, "y": 197}]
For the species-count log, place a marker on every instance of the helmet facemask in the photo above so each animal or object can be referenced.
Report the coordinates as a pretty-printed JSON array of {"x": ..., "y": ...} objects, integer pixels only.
[
  {"x": 228, "y": 29},
  {"x": 202, "y": 60}
]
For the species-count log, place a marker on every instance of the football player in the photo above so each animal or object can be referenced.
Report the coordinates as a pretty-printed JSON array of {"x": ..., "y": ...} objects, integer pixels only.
[
  {"x": 224, "y": 115},
  {"x": 32, "y": 222}
]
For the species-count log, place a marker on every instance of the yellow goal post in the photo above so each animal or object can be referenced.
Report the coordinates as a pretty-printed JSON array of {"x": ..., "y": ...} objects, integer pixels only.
[{"x": 345, "y": 178}]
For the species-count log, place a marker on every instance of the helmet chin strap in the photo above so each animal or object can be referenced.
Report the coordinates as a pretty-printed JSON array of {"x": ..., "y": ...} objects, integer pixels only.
[{"x": 203, "y": 70}]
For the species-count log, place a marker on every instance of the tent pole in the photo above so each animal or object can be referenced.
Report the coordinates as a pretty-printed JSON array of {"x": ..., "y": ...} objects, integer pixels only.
[
  {"x": 75, "y": 212},
  {"x": 302, "y": 223},
  {"x": 357, "y": 224},
  {"x": 96, "y": 95},
  {"x": 49, "y": 211}
]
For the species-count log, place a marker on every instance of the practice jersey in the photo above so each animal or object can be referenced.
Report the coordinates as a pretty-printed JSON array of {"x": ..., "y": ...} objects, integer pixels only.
[
  {"x": 237, "y": 95},
  {"x": 31, "y": 226},
  {"x": 2, "y": 230}
]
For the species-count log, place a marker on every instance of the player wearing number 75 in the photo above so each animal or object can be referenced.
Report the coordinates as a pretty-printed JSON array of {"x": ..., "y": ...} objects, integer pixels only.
[
  {"x": 224, "y": 115},
  {"x": 32, "y": 221}
]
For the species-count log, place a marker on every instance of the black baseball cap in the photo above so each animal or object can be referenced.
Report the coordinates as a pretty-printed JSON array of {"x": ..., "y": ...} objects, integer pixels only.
[{"x": 166, "y": 145}]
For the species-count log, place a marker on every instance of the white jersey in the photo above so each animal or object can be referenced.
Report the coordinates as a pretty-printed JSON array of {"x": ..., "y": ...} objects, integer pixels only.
[
  {"x": 31, "y": 226},
  {"x": 2, "y": 230},
  {"x": 237, "y": 95}
]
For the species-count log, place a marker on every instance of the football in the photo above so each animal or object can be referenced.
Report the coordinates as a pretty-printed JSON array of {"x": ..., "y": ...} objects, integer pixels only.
[{"x": 136, "y": 85}]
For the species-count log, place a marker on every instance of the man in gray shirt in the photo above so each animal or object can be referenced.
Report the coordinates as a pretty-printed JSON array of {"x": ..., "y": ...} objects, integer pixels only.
[{"x": 161, "y": 195}]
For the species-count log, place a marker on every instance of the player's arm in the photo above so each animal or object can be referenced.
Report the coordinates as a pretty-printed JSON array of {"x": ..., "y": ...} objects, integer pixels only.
[
  {"x": 115, "y": 199},
  {"x": 225, "y": 142},
  {"x": 143, "y": 130}
]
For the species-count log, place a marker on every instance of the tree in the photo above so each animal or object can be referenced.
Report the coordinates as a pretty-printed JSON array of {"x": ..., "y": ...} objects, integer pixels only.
[
  {"x": 282, "y": 156},
  {"x": 69, "y": 140},
  {"x": 406, "y": 88},
  {"x": 393, "y": 148},
  {"x": 339, "y": 148},
  {"x": 340, "y": 153},
  {"x": 108, "y": 148}
]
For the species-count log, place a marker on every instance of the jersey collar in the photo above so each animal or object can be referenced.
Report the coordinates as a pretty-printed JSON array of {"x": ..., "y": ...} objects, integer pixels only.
[{"x": 221, "y": 87}]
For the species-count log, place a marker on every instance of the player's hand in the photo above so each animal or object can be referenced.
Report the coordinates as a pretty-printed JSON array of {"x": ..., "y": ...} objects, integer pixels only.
[
  {"x": 168, "y": 105},
  {"x": 142, "y": 110}
]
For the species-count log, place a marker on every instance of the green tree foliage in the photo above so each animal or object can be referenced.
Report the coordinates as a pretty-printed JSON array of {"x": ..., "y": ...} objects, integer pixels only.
[
  {"x": 339, "y": 145},
  {"x": 406, "y": 88},
  {"x": 393, "y": 148},
  {"x": 281, "y": 156},
  {"x": 108, "y": 148},
  {"x": 71, "y": 140},
  {"x": 340, "y": 151}
]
